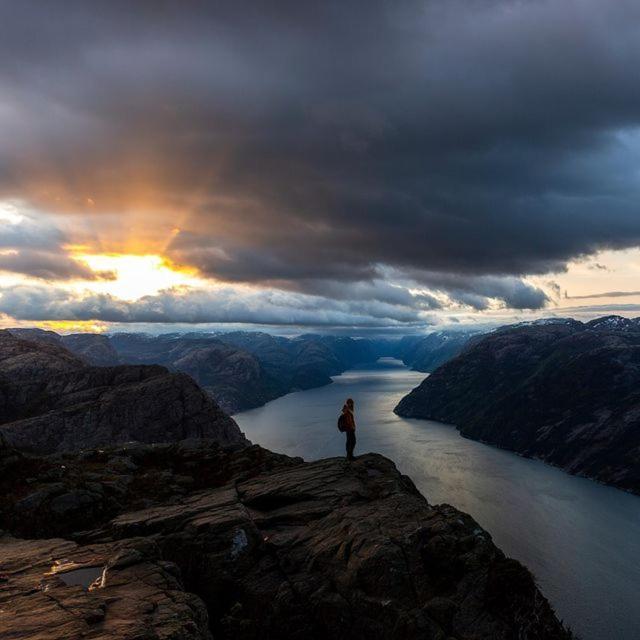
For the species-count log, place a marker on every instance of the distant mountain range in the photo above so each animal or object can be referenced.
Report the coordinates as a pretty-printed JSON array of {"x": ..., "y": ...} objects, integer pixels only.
[
  {"x": 240, "y": 370},
  {"x": 562, "y": 391},
  {"x": 427, "y": 352},
  {"x": 244, "y": 369}
]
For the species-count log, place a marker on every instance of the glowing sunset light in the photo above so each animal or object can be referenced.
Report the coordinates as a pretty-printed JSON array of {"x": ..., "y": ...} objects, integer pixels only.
[
  {"x": 231, "y": 184},
  {"x": 135, "y": 276},
  {"x": 9, "y": 214},
  {"x": 72, "y": 326}
]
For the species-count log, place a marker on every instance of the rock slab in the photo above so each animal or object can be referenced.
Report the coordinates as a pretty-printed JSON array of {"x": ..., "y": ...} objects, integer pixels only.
[{"x": 197, "y": 541}]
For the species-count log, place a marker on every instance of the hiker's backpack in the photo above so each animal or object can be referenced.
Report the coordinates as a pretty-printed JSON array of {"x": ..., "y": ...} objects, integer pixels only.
[{"x": 342, "y": 422}]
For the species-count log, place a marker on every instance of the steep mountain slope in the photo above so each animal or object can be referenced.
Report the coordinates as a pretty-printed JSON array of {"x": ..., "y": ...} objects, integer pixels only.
[
  {"x": 235, "y": 378},
  {"x": 25, "y": 360},
  {"x": 293, "y": 363},
  {"x": 52, "y": 401},
  {"x": 37, "y": 335},
  {"x": 305, "y": 361},
  {"x": 565, "y": 392},
  {"x": 96, "y": 349},
  {"x": 350, "y": 351},
  {"x": 239, "y": 370}
]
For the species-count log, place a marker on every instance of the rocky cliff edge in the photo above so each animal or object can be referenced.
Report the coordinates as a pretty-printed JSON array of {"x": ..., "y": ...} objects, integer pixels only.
[{"x": 196, "y": 541}]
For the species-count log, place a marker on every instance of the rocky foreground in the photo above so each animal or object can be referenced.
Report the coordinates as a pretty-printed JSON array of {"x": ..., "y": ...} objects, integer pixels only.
[{"x": 195, "y": 541}]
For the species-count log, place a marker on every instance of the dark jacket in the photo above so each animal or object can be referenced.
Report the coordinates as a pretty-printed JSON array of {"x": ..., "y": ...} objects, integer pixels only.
[{"x": 349, "y": 418}]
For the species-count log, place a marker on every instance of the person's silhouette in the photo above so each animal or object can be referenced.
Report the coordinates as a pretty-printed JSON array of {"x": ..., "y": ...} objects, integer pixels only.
[{"x": 349, "y": 427}]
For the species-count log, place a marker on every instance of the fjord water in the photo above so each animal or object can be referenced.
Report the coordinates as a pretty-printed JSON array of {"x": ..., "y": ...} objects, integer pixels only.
[{"x": 580, "y": 539}]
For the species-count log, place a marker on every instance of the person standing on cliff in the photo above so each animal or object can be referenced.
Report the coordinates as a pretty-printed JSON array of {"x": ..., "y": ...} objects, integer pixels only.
[{"x": 348, "y": 424}]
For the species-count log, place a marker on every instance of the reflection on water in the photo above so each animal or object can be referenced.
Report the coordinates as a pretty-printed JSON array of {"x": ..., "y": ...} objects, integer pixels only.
[
  {"x": 83, "y": 576},
  {"x": 580, "y": 539}
]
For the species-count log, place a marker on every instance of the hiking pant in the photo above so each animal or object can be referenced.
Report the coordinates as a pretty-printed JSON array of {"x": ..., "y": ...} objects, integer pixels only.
[{"x": 351, "y": 443}]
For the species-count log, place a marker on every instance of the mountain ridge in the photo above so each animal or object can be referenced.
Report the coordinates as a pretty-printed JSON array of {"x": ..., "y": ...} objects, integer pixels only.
[
  {"x": 51, "y": 400},
  {"x": 564, "y": 392}
]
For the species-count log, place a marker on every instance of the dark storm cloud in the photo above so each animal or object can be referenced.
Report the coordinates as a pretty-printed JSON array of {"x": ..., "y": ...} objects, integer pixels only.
[
  {"x": 35, "y": 247},
  {"x": 478, "y": 291},
  {"x": 47, "y": 265},
  {"x": 375, "y": 290},
  {"x": 311, "y": 144}
]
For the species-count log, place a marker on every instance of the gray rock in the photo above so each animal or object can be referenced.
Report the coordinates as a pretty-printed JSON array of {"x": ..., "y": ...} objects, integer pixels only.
[
  {"x": 73, "y": 501},
  {"x": 36, "y": 499},
  {"x": 140, "y": 600},
  {"x": 267, "y": 547}
]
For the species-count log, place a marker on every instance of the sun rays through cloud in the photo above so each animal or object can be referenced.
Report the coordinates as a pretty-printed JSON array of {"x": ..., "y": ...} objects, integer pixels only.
[
  {"x": 130, "y": 277},
  {"x": 422, "y": 168}
]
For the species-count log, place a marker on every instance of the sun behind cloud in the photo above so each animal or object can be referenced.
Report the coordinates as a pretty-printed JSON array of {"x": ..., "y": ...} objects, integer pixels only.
[{"x": 135, "y": 276}]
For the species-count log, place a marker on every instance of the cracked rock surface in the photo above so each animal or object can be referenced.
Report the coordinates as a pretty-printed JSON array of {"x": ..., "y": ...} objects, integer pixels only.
[{"x": 194, "y": 540}]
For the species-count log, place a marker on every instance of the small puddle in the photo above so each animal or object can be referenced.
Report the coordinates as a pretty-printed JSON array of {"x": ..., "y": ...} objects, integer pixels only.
[{"x": 84, "y": 576}]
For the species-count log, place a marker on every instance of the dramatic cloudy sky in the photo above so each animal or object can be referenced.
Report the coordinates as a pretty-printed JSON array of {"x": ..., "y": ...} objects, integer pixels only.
[{"x": 377, "y": 166}]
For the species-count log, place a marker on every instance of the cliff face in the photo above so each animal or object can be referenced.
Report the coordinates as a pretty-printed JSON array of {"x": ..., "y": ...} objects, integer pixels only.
[
  {"x": 564, "y": 392},
  {"x": 193, "y": 541},
  {"x": 303, "y": 362},
  {"x": 52, "y": 401}
]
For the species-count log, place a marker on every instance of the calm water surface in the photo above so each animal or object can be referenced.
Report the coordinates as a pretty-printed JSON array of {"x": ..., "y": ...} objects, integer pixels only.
[{"x": 580, "y": 539}]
